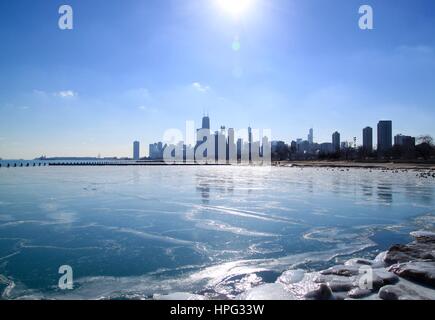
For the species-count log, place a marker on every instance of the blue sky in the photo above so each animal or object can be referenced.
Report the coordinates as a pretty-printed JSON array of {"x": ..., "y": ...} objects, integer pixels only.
[{"x": 131, "y": 69}]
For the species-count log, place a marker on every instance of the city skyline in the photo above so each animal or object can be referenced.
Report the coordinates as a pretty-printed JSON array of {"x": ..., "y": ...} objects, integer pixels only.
[
  {"x": 337, "y": 142},
  {"x": 386, "y": 139},
  {"x": 133, "y": 70}
]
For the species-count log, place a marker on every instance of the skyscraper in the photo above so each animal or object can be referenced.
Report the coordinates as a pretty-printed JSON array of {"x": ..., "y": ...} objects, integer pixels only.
[
  {"x": 336, "y": 141},
  {"x": 206, "y": 122},
  {"x": 311, "y": 136},
  {"x": 231, "y": 146},
  {"x": 407, "y": 141},
  {"x": 250, "y": 143},
  {"x": 385, "y": 136},
  {"x": 136, "y": 150},
  {"x": 156, "y": 151},
  {"x": 368, "y": 139},
  {"x": 221, "y": 145},
  {"x": 203, "y": 135},
  {"x": 239, "y": 149}
]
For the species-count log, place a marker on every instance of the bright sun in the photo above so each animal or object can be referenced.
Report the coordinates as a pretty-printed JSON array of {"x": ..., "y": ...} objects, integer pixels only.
[{"x": 235, "y": 7}]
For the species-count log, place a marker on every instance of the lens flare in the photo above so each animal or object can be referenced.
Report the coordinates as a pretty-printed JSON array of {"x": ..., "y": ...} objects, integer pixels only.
[{"x": 235, "y": 8}]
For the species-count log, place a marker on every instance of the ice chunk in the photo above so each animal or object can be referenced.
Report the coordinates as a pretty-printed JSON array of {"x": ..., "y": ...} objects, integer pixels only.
[{"x": 270, "y": 291}]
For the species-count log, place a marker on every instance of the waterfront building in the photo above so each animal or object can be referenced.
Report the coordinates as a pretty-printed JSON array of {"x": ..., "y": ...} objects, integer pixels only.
[
  {"x": 203, "y": 135},
  {"x": 206, "y": 122},
  {"x": 368, "y": 139},
  {"x": 336, "y": 141},
  {"x": 303, "y": 147},
  {"x": 311, "y": 136},
  {"x": 156, "y": 151},
  {"x": 404, "y": 141},
  {"x": 231, "y": 146},
  {"x": 250, "y": 143},
  {"x": 344, "y": 145},
  {"x": 239, "y": 149},
  {"x": 385, "y": 136},
  {"x": 326, "y": 148},
  {"x": 136, "y": 150}
]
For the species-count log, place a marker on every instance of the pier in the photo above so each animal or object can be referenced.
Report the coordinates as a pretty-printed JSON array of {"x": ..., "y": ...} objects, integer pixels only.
[
  {"x": 123, "y": 163},
  {"x": 21, "y": 164}
]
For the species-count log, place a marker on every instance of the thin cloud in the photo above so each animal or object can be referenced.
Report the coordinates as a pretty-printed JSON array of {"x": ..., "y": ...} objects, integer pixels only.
[
  {"x": 60, "y": 94},
  {"x": 66, "y": 94},
  {"x": 200, "y": 87}
]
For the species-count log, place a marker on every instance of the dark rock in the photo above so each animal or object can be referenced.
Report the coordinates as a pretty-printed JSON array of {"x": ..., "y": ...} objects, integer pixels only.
[
  {"x": 422, "y": 272},
  {"x": 377, "y": 283},
  {"x": 424, "y": 236},
  {"x": 412, "y": 251},
  {"x": 379, "y": 278},
  {"x": 358, "y": 262},
  {"x": 346, "y": 271},
  {"x": 398, "y": 253},
  {"x": 340, "y": 296},
  {"x": 411, "y": 275},
  {"x": 386, "y": 276},
  {"x": 406, "y": 291},
  {"x": 322, "y": 293},
  {"x": 340, "y": 286},
  {"x": 389, "y": 293}
]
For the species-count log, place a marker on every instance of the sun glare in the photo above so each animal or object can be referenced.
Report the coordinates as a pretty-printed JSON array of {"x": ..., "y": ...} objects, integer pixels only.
[{"x": 236, "y": 8}]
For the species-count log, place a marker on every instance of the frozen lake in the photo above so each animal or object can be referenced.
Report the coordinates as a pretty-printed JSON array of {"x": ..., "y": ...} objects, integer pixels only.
[{"x": 132, "y": 232}]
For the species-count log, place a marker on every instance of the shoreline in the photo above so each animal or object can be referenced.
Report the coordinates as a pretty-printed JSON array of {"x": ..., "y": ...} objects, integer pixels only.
[
  {"x": 403, "y": 272},
  {"x": 403, "y": 166},
  {"x": 357, "y": 165}
]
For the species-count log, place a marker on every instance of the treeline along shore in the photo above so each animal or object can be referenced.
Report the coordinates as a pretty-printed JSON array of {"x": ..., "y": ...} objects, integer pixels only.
[{"x": 383, "y": 165}]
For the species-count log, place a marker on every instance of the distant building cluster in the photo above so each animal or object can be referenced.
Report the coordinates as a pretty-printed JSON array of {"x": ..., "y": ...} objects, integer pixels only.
[
  {"x": 386, "y": 146},
  {"x": 227, "y": 147},
  {"x": 156, "y": 151}
]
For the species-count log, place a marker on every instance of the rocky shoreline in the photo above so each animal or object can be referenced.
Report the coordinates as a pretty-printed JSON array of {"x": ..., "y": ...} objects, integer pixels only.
[
  {"x": 404, "y": 272},
  {"x": 428, "y": 168}
]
